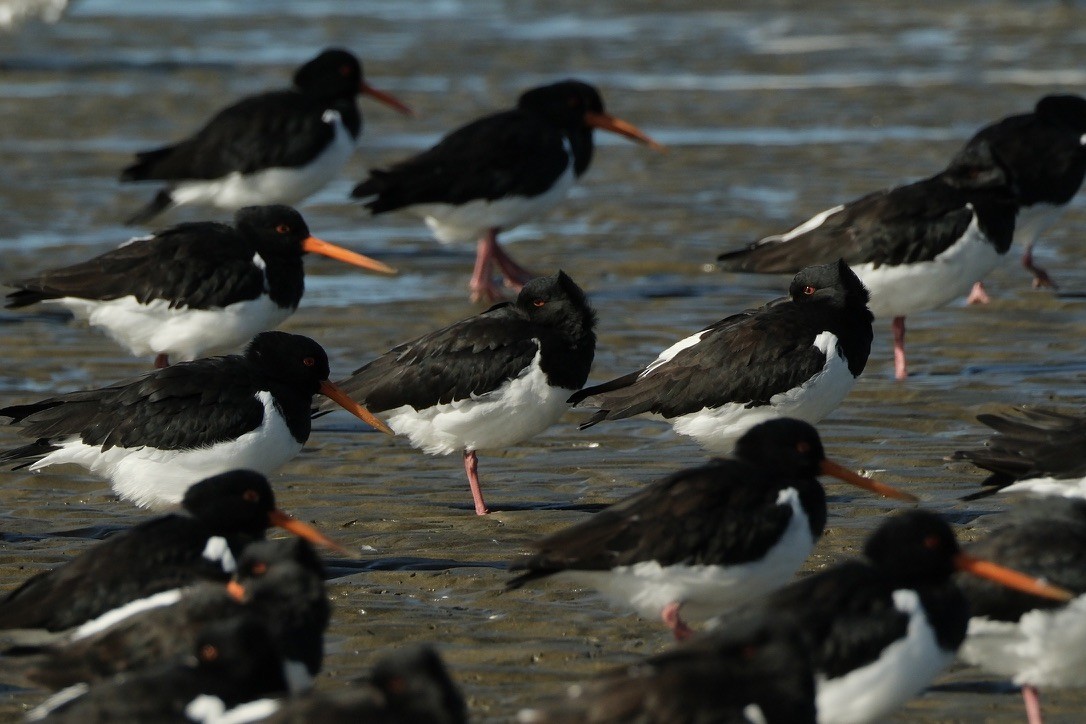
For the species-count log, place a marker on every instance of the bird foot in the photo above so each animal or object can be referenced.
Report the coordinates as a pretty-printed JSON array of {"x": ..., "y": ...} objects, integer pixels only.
[
  {"x": 673, "y": 620},
  {"x": 977, "y": 295}
]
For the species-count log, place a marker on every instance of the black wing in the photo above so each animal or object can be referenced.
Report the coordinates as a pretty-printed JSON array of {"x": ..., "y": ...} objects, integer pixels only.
[
  {"x": 192, "y": 404},
  {"x": 724, "y": 513},
  {"x": 198, "y": 265},
  {"x": 468, "y": 358},
  {"x": 512, "y": 153},
  {"x": 745, "y": 358}
]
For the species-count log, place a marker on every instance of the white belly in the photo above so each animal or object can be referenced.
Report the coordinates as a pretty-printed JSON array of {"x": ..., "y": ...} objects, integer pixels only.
[
  {"x": 717, "y": 429},
  {"x": 153, "y": 478},
  {"x": 521, "y": 408},
  {"x": 1057, "y": 487},
  {"x": 1032, "y": 221},
  {"x": 898, "y": 291},
  {"x": 181, "y": 332},
  {"x": 904, "y": 669},
  {"x": 705, "y": 590}
]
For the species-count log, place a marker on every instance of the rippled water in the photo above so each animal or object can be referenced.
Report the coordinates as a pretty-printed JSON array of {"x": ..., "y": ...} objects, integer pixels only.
[{"x": 772, "y": 112}]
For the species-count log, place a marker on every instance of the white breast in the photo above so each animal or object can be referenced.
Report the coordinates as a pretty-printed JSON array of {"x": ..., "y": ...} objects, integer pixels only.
[{"x": 1057, "y": 487}]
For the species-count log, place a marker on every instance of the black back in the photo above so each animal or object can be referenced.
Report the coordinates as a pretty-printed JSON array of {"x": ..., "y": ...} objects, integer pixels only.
[
  {"x": 519, "y": 152},
  {"x": 751, "y": 356},
  {"x": 550, "y": 318}
]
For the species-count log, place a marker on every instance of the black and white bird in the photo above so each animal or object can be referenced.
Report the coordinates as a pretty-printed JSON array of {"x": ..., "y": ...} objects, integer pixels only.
[
  {"x": 156, "y": 435},
  {"x": 234, "y": 661},
  {"x": 881, "y": 628},
  {"x": 224, "y": 513},
  {"x": 915, "y": 247},
  {"x": 708, "y": 538},
  {"x": 757, "y": 671},
  {"x": 192, "y": 289},
  {"x": 1034, "y": 450},
  {"x": 497, "y": 172},
  {"x": 1045, "y": 154},
  {"x": 1034, "y": 642},
  {"x": 277, "y": 147},
  {"x": 489, "y": 381},
  {"x": 797, "y": 356}
]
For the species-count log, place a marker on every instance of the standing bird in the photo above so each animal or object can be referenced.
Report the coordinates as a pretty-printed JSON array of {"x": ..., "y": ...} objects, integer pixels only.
[
  {"x": 497, "y": 172},
  {"x": 880, "y": 629},
  {"x": 915, "y": 247},
  {"x": 706, "y": 538},
  {"x": 1045, "y": 154},
  {"x": 1036, "y": 642},
  {"x": 153, "y": 437},
  {"x": 489, "y": 381},
  {"x": 794, "y": 357},
  {"x": 277, "y": 147},
  {"x": 193, "y": 288},
  {"x": 224, "y": 513}
]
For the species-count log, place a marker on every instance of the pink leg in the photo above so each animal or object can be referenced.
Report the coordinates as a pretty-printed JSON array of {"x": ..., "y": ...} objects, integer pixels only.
[
  {"x": 900, "y": 369},
  {"x": 471, "y": 467},
  {"x": 1040, "y": 276},
  {"x": 482, "y": 285},
  {"x": 163, "y": 360},
  {"x": 1033, "y": 704},
  {"x": 515, "y": 275},
  {"x": 674, "y": 621},
  {"x": 977, "y": 295}
]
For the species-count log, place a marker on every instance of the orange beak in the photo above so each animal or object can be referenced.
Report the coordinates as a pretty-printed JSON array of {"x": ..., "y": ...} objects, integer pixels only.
[
  {"x": 303, "y": 530},
  {"x": 342, "y": 399},
  {"x": 607, "y": 122},
  {"x": 236, "y": 591},
  {"x": 318, "y": 246},
  {"x": 386, "y": 98},
  {"x": 1010, "y": 578},
  {"x": 828, "y": 467}
]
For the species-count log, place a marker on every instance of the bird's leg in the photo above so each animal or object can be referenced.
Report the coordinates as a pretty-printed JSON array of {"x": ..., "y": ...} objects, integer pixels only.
[
  {"x": 1040, "y": 276},
  {"x": 471, "y": 467},
  {"x": 674, "y": 621},
  {"x": 515, "y": 275},
  {"x": 977, "y": 295},
  {"x": 482, "y": 285},
  {"x": 900, "y": 368},
  {"x": 162, "y": 360},
  {"x": 1033, "y": 704}
]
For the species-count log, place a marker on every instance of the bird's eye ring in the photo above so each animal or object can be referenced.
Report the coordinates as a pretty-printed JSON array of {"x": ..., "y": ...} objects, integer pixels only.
[
  {"x": 309, "y": 361},
  {"x": 283, "y": 228},
  {"x": 809, "y": 290}
]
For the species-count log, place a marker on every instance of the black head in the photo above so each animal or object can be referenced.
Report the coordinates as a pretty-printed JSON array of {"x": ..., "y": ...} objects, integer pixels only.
[
  {"x": 261, "y": 558},
  {"x": 914, "y": 548},
  {"x": 274, "y": 230},
  {"x": 564, "y": 103},
  {"x": 240, "y": 654},
  {"x": 290, "y": 359},
  {"x": 786, "y": 446},
  {"x": 978, "y": 168},
  {"x": 556, "y": 301},
  {"x": 832, "y": 284},
  {"x": 334, "y": 73},
  {"x": 415, "y": 679},
  {"x": 239, "y": 500},
  {"x": 1067, "y": 110}
]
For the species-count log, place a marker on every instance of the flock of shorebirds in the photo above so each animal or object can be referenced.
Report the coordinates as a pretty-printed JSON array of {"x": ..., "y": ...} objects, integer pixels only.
[{"x": 193, "y": 616}]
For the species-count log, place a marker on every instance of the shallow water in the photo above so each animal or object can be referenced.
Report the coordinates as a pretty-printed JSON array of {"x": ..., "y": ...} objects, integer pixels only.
[{"x": 772, "y": 113}]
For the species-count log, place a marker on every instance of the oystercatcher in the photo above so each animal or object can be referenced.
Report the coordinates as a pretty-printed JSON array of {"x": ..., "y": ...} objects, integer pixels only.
[
  {"x": 794, "y": 357},
  {"x": 489, "y": 381},
  {"x": 1034, "y": 450},
  {"x": 273, "y": 148},
  {"x": 234, "y": 660},
  {"x": 497, "y": 172},
  {"x": 153, "y": 437},
  {"x": 881, "y": 629},
  {"x": 1036, "y": 642},
  {"x": 915, "y": 247},
  {"x": 1045, "y": 154},
  {"x": 705, "y": 538},
  {"x": 279, "y": 582},
  {"x": 756, "y": 671},
  {"x": 193, "y": 288},
  {"x": 225, "y": 512}
]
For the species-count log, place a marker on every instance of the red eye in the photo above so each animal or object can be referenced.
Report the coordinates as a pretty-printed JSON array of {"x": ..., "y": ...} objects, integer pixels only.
[
  {"x": 809, "y": 290},
  {"x": 309, "y": 361},
  {"x": 538, "y": 303},
  {"x": 250, "y": 496},
  {"x": 932, "y": 542},
  {"x": 803, "y": 447},
  {"x": 344, "y": 70},
  {"x": 259, "y": 569},
  {"x": 283, "y": 228},
  {"x": 208, "y": 653}
]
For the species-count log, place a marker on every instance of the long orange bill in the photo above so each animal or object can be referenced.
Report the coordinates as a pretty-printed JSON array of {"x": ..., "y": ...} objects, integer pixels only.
[
  {"x": 828, "y": 467},
  {"x": 1010, "y": 578},
  {"x": 342, "y": 399},
  {"x": 607, "y": 122},
  {"x": 319, "y": 246},
  {"x": 386, "y": 98},
  {"x": 236, "y": 591},
  {"x": 304, "y": 530}
]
